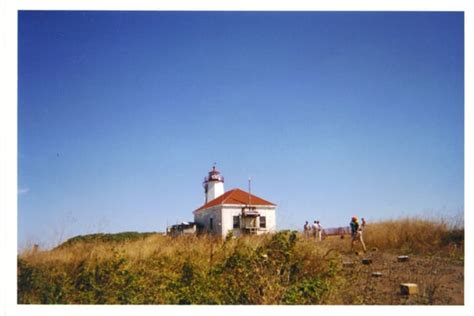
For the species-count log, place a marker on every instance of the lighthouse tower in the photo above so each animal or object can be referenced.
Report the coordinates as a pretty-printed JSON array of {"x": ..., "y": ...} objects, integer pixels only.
[{"x": 213, "y": 184}]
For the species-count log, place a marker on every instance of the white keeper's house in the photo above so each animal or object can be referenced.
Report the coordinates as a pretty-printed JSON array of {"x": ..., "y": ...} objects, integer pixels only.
[{"x": 234, "y": 211}]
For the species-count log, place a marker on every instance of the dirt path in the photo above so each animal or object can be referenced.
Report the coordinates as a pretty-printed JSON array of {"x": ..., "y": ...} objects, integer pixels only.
[{"x": 440, "y": 280}]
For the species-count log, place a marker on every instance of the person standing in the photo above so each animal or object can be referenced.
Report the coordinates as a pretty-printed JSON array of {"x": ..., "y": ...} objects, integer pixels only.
[
  {"x": 314, "y": 230},
  {"x": 319, "y": 231},
  {"x": 356, "y": 233},
  {"x": 307, "y": 230}
]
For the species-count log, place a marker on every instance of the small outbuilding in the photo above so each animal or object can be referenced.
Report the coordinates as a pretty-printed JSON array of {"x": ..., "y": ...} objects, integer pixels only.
[{"x": 185, "y": 228}]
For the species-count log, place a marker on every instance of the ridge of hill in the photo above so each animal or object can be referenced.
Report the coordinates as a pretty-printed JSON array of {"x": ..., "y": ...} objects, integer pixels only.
[{"x": 106, "y": 237}]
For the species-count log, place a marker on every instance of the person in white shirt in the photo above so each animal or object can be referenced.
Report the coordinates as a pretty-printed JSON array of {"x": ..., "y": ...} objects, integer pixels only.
[{"x": 319, "y": 231}]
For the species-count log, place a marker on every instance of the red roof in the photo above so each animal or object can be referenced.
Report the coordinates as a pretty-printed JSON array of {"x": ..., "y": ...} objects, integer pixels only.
[{"x": 235, "y": 196}]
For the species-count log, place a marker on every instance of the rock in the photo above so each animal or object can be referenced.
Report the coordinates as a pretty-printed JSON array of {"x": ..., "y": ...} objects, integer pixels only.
[
  {"x": 348, "y": 264},
  {"x": 403, "y": 258},
  {"x": 377, "y": 274},
  {"x": 408, "y": 288}
]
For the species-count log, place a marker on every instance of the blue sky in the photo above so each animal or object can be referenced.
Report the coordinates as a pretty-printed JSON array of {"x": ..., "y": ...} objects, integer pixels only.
[{"x": 332, "y": 114}]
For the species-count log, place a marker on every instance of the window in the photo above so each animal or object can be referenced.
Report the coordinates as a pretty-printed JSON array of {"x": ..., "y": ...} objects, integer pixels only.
[
  {"x": 236, "y": 222},
  {"x": 263, "y": 222},
  {"x": 211, "y": 226}
]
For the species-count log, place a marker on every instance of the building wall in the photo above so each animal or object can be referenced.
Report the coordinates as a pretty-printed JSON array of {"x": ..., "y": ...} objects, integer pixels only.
[
  {"x": 230, "y": 211},
  {"x": 270, "y": 215},
  {"x": 228, "y": 219},
  {"x": 203, "y": 219},
  {"x": 223, "y": 219}
]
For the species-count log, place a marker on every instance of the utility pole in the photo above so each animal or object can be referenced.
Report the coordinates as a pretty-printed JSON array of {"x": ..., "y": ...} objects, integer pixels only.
[{"x": 250, "y": 194}]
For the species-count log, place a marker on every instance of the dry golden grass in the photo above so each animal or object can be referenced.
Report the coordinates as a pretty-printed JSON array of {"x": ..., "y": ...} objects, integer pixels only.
[
  {"x": 156, "y": 244},
  {"x": 268, "y": 269},
  {"x": 410, "y": 234}
]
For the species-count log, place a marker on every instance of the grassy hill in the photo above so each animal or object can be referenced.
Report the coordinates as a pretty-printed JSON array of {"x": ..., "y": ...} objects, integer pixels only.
[
  {"x": 105, "y": 238},
  {"x": 282, "y": 268}
]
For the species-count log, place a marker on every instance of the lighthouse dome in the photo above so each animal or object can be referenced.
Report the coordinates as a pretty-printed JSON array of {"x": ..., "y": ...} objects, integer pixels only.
[
  {"x": 215, "y": 175},
  {"x": 213, "y": 185}
]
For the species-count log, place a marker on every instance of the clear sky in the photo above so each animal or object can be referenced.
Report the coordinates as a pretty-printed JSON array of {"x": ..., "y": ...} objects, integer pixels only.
[{"x": 122, "y": 114}]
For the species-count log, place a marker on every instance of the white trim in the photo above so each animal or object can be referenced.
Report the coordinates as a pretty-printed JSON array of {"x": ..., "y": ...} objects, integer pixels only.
[
  {"x": 251, "y": 205},
  {"x": 234, "y": 206},
  {"x": 211, "y": 208}
]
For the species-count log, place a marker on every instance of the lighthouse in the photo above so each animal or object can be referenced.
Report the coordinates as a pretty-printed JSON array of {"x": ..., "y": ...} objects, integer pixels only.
[
  {"x": 235, "y": 211},
  {"x": 213, "y": 185}
]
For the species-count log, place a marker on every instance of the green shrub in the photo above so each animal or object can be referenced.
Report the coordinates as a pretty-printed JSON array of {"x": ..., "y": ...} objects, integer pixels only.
[{"x": 306, "y": 292}]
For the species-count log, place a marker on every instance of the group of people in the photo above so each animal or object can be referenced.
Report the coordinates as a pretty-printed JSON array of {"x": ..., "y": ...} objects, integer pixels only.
[{"x": 316, "y": 230}]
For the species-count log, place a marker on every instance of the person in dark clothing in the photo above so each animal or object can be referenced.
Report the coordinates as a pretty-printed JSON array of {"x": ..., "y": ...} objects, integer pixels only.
[
  {"x": 307, "y": 230},
  {"x": 356, "y": 233}
]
